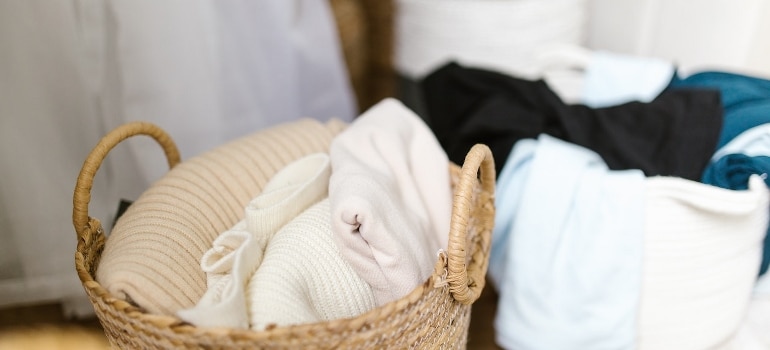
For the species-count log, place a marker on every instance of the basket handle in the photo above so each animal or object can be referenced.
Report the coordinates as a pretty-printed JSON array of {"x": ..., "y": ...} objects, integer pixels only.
[
  {"x": 467, "y": 282},
  {"x": 94, "y": 160}
]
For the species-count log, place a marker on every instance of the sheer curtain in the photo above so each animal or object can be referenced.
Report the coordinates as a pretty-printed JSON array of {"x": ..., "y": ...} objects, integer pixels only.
[{"x": 206, "y": 71}]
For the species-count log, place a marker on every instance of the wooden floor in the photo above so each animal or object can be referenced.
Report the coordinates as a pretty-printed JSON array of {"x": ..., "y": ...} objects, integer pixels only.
[
  {"x": 44, "y": 327},
  {"x": 481, "y": 334}
]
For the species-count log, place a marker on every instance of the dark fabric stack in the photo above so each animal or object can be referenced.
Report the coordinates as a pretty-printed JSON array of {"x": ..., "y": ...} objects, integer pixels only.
[{"x": 674, "y": 135}]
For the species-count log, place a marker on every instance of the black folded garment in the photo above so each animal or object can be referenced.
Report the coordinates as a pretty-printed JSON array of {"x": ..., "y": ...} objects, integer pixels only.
[{"x": 674, "y": 135}]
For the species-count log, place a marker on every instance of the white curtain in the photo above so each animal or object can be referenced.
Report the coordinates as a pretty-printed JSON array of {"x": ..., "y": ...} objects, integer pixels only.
[{"x": 207, "y": 71}]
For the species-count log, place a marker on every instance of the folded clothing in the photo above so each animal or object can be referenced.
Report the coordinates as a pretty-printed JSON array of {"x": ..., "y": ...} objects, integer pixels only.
[
  {"x": 237, "y": 253},
  {"x": 152, "y": 256},
  {"x": 613, "y": 78},
  {"x": 567, "y": 249},
  {"x": 745, "y": 99},
  {"x": 746, "y": 154},
  {"x": 304, "y": 278},
  {"x": 292, "y": 190},
  {"x": 228, "y": 264},
  {"x": 673, "y": 135},
  {"x": 611, "y": 259},
  {"x": 390, "y": 198},
  {"x": 734, "y": 170}
]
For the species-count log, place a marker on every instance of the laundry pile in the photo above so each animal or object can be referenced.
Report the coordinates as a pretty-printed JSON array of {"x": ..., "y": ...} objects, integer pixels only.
[{"x": 636, "y": 218}]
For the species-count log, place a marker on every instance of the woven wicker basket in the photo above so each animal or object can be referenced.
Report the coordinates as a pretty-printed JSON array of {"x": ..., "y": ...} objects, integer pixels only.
[{"x": 436, "y": 314}]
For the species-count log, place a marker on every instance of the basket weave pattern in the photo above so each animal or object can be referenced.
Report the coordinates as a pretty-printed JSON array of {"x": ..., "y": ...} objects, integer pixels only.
[{"x": 435, "y": 315}]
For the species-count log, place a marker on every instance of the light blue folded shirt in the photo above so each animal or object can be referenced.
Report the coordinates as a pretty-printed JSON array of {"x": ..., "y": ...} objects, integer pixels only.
[
  {"x": 613, "y": 79},
  {"x": 567, "y": 249}
]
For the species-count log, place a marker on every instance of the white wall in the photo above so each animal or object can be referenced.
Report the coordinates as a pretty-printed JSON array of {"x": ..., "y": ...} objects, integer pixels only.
[{"x": 732, "y": 35}]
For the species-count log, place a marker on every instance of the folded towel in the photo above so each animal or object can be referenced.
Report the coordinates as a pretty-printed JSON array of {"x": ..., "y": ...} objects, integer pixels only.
[
  {"x": 390, "y": 197},
  {"x": 237, "y": 253},
  {"x": 702, "y": 249},
  {"x": 303, "y": 277}
]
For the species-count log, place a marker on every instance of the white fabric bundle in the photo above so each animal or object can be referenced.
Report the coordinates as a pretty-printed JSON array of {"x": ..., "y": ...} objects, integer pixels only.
[
  {"x": 703, "y": 245},
  {"x": 292, "y": 190},
  {"x": 391, "y": 198},
  {"x": 303, "y": 278},
  {"x": 237, "y": 253},
  {"x": 501, "y": 35},
  {"x": 228, "y": 264}
]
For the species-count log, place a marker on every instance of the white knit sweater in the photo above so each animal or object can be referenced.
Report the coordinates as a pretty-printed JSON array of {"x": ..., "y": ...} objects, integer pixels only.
[{"x": 303, "y": 277}]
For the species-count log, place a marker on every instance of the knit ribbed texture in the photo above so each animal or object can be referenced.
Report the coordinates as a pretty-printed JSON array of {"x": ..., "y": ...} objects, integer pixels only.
[
  {"x": 153, "y": 255},
  {"x": 303, "y": 278},
  {"x": 236, "y": 254},
  {"x": 291, "y": 191},
  {"x": 702, "y": 251}
]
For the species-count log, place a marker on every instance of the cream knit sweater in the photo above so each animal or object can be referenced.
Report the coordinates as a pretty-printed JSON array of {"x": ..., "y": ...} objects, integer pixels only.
[
  {"x": 254, "y": 280},
  {"x": 303, "y": 277},
  {"x": 152, "y": 256}
]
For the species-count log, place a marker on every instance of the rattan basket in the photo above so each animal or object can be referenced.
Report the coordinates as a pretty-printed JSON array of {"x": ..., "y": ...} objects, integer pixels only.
[{"x": 436, "y": 314}]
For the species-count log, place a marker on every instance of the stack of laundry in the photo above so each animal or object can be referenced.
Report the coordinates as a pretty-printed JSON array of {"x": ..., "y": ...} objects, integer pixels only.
[
  {"x": 635, "y": 219},
  {"x": 334, "y": 235}
]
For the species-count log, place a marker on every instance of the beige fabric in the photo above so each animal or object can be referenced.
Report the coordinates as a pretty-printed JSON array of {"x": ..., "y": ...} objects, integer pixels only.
[
  {"x": 236, "y": 254},
  {"x": 152, "y": 257}
]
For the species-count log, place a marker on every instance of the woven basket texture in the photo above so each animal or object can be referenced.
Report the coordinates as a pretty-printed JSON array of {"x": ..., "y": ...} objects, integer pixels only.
[{"x": 435, "y": 315}]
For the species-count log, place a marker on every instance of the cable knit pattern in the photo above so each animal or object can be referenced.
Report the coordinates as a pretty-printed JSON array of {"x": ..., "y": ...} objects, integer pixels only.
[
  {"x": 152, "y": 256},
  {"x": 303, "y": 278},
  {"x": 703, "y": 245}
]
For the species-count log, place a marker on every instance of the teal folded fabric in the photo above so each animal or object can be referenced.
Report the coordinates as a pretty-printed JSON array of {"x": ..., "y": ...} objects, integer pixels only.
[
  {"x": 732, "y": 171},
  {"x": 745, "y": 99}
]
